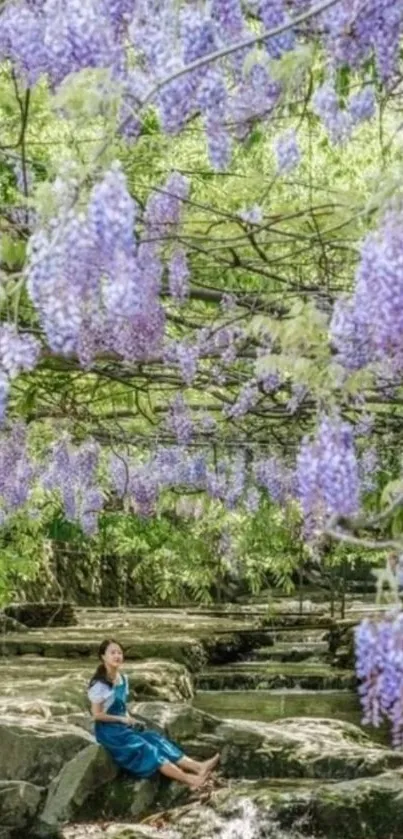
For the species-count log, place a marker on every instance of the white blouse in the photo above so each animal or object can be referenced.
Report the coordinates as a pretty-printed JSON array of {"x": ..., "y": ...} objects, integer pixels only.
[{"x": 103, "y": 694}]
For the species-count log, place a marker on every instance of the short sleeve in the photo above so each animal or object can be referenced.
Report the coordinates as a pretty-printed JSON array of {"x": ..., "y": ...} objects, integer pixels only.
[{"x": 100, "y": 693}]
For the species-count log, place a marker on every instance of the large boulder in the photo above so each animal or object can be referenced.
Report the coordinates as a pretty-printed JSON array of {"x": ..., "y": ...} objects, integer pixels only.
[
  {"x": 126, "y": 798},
  {"x": 289, "y": 748},
  {"x": 300, "y": 748},
  {"x": 82, "y": 776},
  {"x": 76, "y": 794},
  {"x": 19, "y": 804},
  {"x": 34, "y": 750},
  {"x": 367, "y": 808}
]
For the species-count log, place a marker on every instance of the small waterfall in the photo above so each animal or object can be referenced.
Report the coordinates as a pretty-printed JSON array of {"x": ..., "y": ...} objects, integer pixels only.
[
  {"x": 244, "y": 826},
  {"x": 245, "y": 823}
]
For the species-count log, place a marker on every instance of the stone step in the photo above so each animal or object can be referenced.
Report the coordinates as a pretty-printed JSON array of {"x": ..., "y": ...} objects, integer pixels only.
[
  {"x": 291, "y": 651},
  {"x": 193, "y": 651},
  {"x": 184, "y": 651},
  {"x": 270, "y": 705},
  {"x": 269, "y": 676},
  {"x": 297, "y": 636}
]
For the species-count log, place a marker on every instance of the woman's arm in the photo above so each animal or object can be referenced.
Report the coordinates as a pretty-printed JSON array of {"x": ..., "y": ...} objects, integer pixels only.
[{"x": 99, "y": 715}]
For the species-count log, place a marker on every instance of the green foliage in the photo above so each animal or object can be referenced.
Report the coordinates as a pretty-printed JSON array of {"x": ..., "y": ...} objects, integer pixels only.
[
  {"x": 24, "y": 550},
  {"x": 270, "y": 548}
]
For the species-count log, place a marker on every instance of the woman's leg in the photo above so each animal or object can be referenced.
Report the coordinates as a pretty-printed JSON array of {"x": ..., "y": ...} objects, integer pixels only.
[
  {"x": 198, "y": 767},
  {"x": 170, "y": 770}
]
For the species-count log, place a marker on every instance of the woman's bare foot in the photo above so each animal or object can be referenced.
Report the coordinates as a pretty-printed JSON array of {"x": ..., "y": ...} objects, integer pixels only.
[
  {"x": 197, "y": 781},
  {"x": 208, "y": 766}
]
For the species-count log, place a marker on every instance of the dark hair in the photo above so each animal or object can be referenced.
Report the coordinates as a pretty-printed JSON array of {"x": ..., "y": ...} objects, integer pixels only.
[{"x": 100, "y": 674}]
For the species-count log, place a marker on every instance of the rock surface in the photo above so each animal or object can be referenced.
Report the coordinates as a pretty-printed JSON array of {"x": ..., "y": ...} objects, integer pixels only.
[
  {"x": 178, "y": 721},
  {"x": 82, "y": 776},
  {"x": 19, "y": 804},
  {"x": 42, "y": 687},
  {"x": 289, "y": 748},
  {"x": 35, "y": 750}
]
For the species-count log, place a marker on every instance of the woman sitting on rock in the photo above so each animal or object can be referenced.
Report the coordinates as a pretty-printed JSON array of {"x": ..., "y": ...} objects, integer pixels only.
[{"x": 140, "y": 752}]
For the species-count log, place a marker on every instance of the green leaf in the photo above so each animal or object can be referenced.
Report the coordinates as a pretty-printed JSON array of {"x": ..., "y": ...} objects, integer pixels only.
[{"x": 12, "y": 251}]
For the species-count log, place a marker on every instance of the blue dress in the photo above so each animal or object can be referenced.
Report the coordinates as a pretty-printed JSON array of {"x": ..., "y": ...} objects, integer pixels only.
[{"x": 141, "y": 753}]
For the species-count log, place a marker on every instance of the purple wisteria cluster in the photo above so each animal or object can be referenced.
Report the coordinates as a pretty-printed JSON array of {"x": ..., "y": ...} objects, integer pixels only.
[
  {"x": 276, "y": 477},
  {"x": 357, "y": 31},
  {"x": 69, "y": 472},
  {"x": 339, "y": 119},
  {"x": 72, "y": 473},
  {"x": 379, "y": 668},
  {"x": 95, "y": 276},
  {"x": 19, "y": 353},
  {"x": 176, "y": 467},
  {"x": 17, "y": 471},
  {"x": 59, "y": 37},
  {"x": 328, "y": 474},
  {"x": 368, "y": 327},
  {"x": 287, "y": 152}
]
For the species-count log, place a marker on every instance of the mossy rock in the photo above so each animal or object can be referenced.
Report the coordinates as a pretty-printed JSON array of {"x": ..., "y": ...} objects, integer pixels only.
[
  {"x": 301, "y": 748},
  {"x": 125, "y": 798},
  {"x": 289, "y": 748},
  {"x": 35, "y": 750},
  {"x": 168, "y": 681},
  {"x": 230, "y": 647},
  {"x": 369, "y": 808},
  {"x": 19, "y": 805},
  {"x": 79, "y": 778}
]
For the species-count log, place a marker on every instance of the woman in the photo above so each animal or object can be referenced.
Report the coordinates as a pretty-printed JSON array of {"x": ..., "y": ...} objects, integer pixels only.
[{"x": 140, "y": 752}]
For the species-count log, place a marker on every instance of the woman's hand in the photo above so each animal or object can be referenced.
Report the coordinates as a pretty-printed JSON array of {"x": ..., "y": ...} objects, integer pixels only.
[
  {"x": 129, "y": 721},
  {"x": 133, "y": 722}
]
